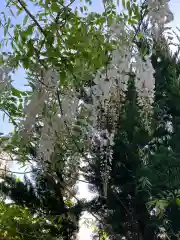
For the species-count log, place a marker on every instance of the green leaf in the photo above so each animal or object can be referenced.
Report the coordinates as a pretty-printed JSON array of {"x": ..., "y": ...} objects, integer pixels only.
[
  {"x": 11, "y": 12},
  {"x": 16, "y": 92},
  {"x": 6, "y": 28},
  {"x": 19, "y": 11},
  {"x": 140, "y": 35},
  {"x": 25, "y": 20},
  {"x": 29, "y": 30},
  {"x": 178, "y": 201},
  {"x": 69, "y": 203},
  {"x": 162, "y": 204},
  {"x": 18, "y": 180},
  {"x": 55, "y": 7},
  {"x": 25, "y": 61},
  {"x": 4, "y": 116},
  {"x": 124, "y": 3},
  {"x": 62, "y": 77},
  {"x": 132, "y": 21},
  {"x": 30, "y": 46},
  {"x": 50, "y": 38},
  {"x": 129, "y": 8},
  {"x": 81, "y": 9}
]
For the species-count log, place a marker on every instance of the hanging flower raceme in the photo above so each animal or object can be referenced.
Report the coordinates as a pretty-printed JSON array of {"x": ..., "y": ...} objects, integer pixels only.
[
  {"x": 113, "y": 78},
  {"x": 159, "y": 14},
  {"x": 145, "y": 83},
  {"x": 45, "y": 88},
  {"x": 5, "y": 78},
  {"x": 47, "y": 142},
  {"x": 69, "y": 106},
  {"x": 34, "y": 108},
  {"x": 144, "y": 77},
  {"x": 51, "y": 78},
  {"x": 55, "y": 107}
]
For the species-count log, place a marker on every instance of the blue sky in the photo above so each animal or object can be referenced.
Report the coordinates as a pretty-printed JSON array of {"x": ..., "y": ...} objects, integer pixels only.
[{"x": 19, "y": 76}]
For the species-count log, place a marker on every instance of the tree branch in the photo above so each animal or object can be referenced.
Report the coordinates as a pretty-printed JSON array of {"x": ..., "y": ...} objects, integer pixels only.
[{"x": 32, "y": 17}]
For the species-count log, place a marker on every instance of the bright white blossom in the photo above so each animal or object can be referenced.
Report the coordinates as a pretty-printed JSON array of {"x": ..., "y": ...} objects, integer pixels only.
[
  {"x": 159, "y": 14},
  {"x": 145, "y": 81},
  {"x": 5, "y": 78},
  {"x": 69, "y": 105},
  {"x": 47, "y": 142},
  {"x": 51, "y": 78}
]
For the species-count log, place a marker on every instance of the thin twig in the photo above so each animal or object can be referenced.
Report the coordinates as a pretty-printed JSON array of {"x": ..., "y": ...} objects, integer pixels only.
[
  {"x": 5, "y": 170},
  {"x": 64, "y": 7},
  {"x": 32, "y": 17},
  {"x": 7, "y": 113}
]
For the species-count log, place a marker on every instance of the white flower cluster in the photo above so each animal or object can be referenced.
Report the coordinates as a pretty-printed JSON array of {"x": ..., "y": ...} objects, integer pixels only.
[
  {"x": 41, "y": 96},
  {"x": 69, "y": 103},
  {"x": 5, "y": 78},
  {"x": 145, "y": 82},
  {"x": 159, "y": 14},
  {"x": 108, "y": 81},
  {"x": 51, "y": 78},
  {"x": 47, "y": 142},
  {"x": 56, "y": 109},
  {"x": 115, "y": 78},
  {"x": 33, "y": 109}
]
